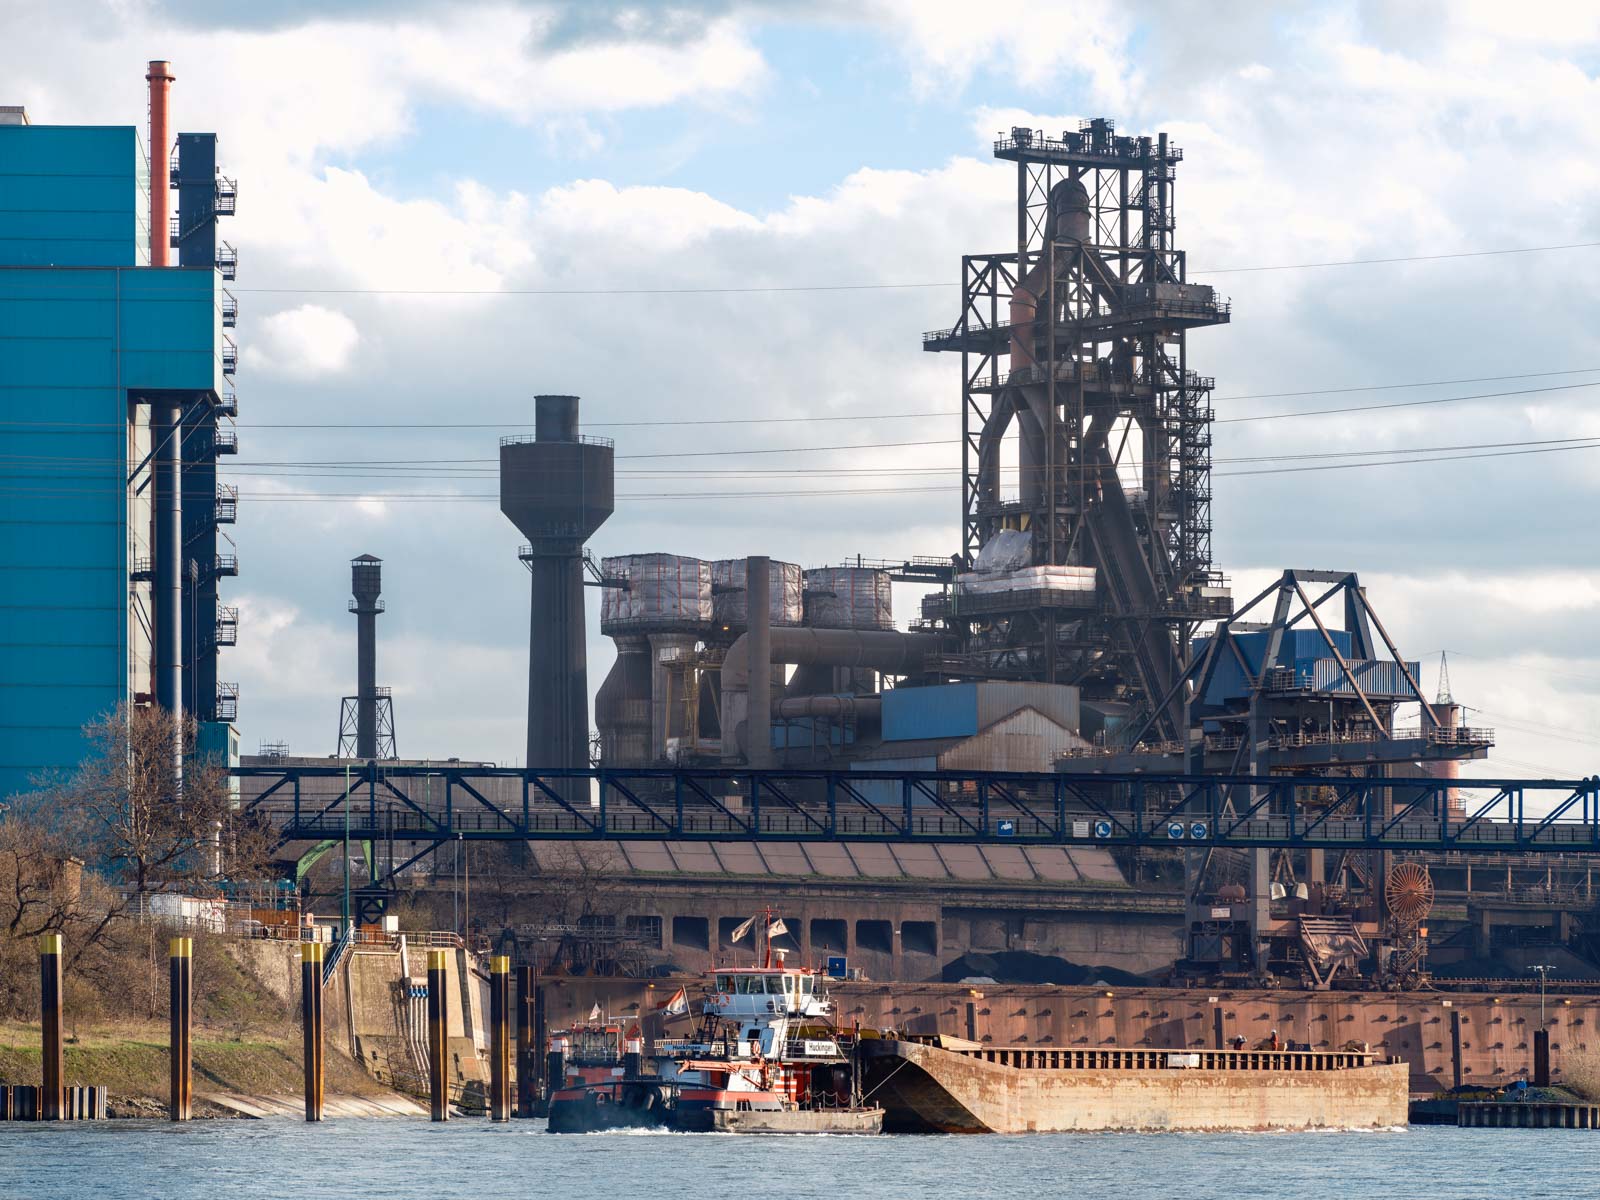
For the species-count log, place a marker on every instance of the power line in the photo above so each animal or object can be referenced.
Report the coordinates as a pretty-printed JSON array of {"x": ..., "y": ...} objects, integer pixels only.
[
  {"x": 776, "y": 289},
  {"x": 900, "y": 416}
]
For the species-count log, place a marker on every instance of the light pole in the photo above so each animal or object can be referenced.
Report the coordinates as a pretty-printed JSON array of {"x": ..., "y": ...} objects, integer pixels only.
[{"x": 1544, "y": 970}]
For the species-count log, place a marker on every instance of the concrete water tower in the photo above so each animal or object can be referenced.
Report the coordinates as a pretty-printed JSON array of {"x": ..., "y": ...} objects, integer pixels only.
[{"x": 557, "y": 487}]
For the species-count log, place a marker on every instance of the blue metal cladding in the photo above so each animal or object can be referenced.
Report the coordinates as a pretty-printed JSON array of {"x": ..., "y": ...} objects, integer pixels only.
[
  {"x": 76, "y": 339},
  {"x": 1299, "y": 650},
  {"x": 72, "y": 196},
  {"x": 949, "y": 710}
]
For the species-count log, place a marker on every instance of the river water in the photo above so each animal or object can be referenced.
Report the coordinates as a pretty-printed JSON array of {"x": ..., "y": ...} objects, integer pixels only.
[{"x": 404, "y": 1159}]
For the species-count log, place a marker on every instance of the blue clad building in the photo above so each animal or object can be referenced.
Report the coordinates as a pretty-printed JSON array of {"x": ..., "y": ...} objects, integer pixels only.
[{"x": 98, "y": 352}]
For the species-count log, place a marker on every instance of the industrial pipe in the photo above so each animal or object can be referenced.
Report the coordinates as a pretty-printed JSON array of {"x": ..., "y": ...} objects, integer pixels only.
[
  {"x": 758, "y": 615},
  {"x": 180, "y": 976},
  {"x": 311, "y": 957},
  {"x": 160, "y": 78},
  {"x": 862, "y": 708},
  {"x": 50, "y": 1025},
  {"x": 874, "y": 649},
  {"x": 438, "y": 1031},
  {"x": 500, "y": 1038}
]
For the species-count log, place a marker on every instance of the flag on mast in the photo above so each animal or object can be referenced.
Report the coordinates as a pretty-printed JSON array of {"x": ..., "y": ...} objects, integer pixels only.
[
  {"x": 594, "y": 1013},
  {"x": 776, "y": 929},
  {"x": 743, "y": 931},
  {"x": 677, "y": 1004}
]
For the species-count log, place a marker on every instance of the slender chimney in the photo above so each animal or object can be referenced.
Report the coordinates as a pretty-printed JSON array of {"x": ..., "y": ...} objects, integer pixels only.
[
  {"x": 160, "y": 77},
  {"x": 366, "y": 585}
]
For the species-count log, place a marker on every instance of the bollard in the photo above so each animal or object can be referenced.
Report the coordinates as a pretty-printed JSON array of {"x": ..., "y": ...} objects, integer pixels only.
[
  {"x": 1218, "y": 1042},
  {"x": 50, "y": 1025},
  {"x": 438, "y": 1028},
  {"x": 499, "y": 1038},
  {"x": 180, "y": 952},
  {"x": 311, "y": 1025},
  {"x": 527, "y": 1042},
  {"x": 1541, "y": 1058},
  {"x": 1455, "y": 1048}
]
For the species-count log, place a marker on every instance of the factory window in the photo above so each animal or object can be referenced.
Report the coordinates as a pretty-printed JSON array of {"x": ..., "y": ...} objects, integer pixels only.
[
  {"x": 646, "y": 930},
  {"x": 877, "y": 936},
  {"x": 828, "y": 935},
  {"x": 693, "y": 933},
  {"x": 919, "y": 937}
]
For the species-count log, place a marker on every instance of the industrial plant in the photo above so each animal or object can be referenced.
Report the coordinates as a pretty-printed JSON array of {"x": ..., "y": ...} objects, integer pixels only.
[{"x": 1081, "y": 759}]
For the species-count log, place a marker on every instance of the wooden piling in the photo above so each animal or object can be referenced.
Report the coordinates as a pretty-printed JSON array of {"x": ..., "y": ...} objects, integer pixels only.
[
  {"x": 438, "y": 1035},
  {"x": 180, "y": 963},
  {"x": 50, "y": 1026},
  {"x": 500, "y": 1038},
  {"x": 311, "y": 959}
]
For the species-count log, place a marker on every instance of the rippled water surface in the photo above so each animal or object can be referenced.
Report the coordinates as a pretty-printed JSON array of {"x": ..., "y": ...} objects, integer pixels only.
[{"x": 235, "y": 1160}]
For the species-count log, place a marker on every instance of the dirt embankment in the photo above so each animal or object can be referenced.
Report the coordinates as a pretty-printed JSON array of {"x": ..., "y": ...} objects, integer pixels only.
[
  {"x": 246, "y": 1040},
  {"x": 130, "y": 1060}
]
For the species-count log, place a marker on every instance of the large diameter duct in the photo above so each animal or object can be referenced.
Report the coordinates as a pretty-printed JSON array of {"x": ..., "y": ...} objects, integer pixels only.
[
  {"x": 879, "y": 650},
  {"x": 622, "y": 705},
  {"x": 758, "y": 595},
  {"x": 557, "y": 488},
  {"x": 160, "y": 78},
  {"x": 366, "y": 585},
  {"x": 837, "y": 707}
]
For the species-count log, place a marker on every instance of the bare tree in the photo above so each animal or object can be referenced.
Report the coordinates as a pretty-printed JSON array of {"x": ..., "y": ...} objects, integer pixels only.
[{"x": 135, "y": 819}]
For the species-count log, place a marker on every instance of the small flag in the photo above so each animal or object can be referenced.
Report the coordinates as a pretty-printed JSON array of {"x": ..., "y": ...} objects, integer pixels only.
[
  {"x": 678, "y": 1004},
  {"x": 777, "y": 929},
  {"x": 743, "y": 931},
  {"x": 594, "y": 1013}
]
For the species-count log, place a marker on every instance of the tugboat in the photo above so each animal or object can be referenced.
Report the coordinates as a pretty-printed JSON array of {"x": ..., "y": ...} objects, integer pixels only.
[{"x": 765, "y": 1058}]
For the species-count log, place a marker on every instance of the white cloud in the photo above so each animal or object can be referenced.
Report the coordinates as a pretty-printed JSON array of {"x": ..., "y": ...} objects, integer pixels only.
[{"x": 302, "y": 343}]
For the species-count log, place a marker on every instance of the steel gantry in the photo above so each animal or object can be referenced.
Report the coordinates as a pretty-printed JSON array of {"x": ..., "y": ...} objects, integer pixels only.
[{"x": 424, "y": 806}]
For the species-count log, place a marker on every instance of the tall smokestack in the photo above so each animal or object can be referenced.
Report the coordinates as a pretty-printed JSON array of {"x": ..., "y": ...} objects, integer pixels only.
[
  {"x": 557, "y": 488},
  {"x": 160, "y": 77},
  {"x": 366, "y": 585}
]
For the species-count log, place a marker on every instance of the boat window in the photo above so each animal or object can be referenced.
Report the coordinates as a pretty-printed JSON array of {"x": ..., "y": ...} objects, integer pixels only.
[
  {"x": 806, "y": 985},
  {"x": 725, "y": 984},
  {"x": 749, "y": 985},
  {"x": 774, "y": 985}
]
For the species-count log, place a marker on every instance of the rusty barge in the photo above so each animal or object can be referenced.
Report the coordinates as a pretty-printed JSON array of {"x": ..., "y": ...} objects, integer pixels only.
[{"x": 947, "y": 1086}]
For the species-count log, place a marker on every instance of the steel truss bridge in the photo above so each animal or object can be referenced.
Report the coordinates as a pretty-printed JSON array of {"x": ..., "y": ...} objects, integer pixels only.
[{"x": 431, "y": 805}]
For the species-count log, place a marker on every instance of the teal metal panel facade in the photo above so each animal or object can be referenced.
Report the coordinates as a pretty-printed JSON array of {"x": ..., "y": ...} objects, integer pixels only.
[
  {"x": 73, "y": 196},
  {"x": 84, "y": 330}
]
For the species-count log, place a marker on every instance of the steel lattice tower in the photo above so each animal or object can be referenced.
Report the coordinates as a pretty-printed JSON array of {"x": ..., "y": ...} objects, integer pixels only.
[{"x": 1075, "y": 344}]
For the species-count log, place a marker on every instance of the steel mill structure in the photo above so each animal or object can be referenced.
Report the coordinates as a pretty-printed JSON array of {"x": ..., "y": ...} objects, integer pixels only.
[{"x": 116, "y": 412}]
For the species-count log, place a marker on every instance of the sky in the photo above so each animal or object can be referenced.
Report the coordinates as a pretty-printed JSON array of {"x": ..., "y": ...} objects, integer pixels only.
[{"x": 440, "y": 204}]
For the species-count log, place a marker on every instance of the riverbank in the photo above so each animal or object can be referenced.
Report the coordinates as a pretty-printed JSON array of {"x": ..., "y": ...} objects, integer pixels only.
[{"x": 254, "y": 1074}]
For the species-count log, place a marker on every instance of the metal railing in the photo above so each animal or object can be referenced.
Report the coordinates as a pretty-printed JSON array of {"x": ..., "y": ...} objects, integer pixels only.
[{"x": 581, "y": 439}]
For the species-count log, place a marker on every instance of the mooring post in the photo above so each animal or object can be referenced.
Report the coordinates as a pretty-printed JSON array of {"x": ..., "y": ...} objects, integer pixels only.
[
  {"x": 1541, "y": 1058},
  {"x": 1455, "y": 1048},
  {"x": 180, "y": 954},
  {"x": 311, "y": 958},
  {"x": 500, "y": 1038},
  {"x": 438, "y": 1030},
  {"x": 50, "y": 1025},
  {"x": 1217, "y": 1040},
  {"x": 527, "y": 1043}
]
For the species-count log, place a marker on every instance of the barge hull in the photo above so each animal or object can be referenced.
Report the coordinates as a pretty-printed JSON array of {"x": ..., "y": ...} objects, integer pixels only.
[
  {"x": 855, "y": 1121},
  {"x": 927, "y": 1089}
]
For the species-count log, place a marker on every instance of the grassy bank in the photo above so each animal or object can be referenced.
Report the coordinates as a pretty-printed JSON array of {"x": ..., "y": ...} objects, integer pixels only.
[{"x": 130, "y": 1060}]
